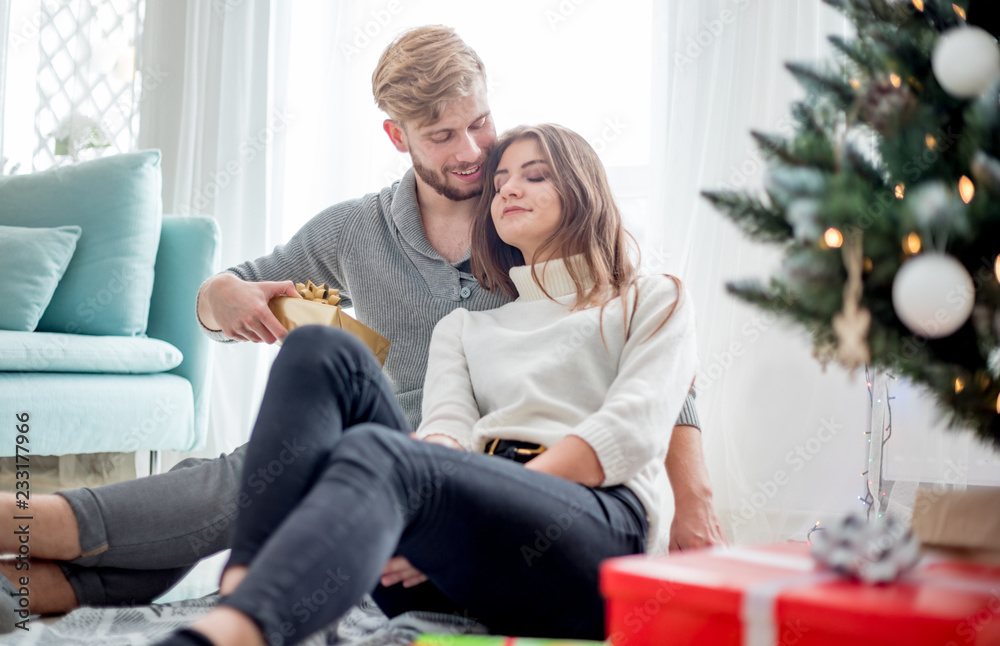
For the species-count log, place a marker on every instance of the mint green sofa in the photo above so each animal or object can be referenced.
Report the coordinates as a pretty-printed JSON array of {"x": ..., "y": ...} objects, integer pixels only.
[{"x": 116, "y": 361}]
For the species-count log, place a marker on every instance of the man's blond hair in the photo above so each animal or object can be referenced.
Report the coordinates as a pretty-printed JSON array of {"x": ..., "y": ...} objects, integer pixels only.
[{"x": 423, "y": 69}]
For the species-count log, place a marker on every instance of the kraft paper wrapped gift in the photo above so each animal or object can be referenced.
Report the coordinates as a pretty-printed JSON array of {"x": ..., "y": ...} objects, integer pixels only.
[
  {"x": 966, "y": 523},
  {"x": 778, "y": 594},
  {"x": 296, "y": 312}
]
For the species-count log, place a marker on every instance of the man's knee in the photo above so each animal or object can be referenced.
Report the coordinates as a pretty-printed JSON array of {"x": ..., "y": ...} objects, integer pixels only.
[
  {"x": 188, "y": 463},
  {"x": 222, "y": 472}
]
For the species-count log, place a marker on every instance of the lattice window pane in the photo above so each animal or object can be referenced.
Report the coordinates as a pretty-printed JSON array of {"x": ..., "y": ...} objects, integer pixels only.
[{"x": 86, "y": 86}]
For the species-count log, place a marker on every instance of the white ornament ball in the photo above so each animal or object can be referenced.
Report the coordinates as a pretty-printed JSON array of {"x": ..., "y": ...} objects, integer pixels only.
[
  {"x": 933, "y": 294},
  {"x": 929, "y": 203},
  {"x": 966, "y": 60}
]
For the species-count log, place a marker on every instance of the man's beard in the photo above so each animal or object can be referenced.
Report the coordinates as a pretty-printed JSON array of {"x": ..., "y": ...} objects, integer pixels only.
[{"x": 439, "y": 184}]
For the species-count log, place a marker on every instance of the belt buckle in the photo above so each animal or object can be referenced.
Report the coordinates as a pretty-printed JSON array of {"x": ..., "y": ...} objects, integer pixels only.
[{"x": 491, "y": 449}]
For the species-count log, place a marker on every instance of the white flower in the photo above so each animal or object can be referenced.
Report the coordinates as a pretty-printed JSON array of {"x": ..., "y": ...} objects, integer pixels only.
[{"x": 77, "y": 132}]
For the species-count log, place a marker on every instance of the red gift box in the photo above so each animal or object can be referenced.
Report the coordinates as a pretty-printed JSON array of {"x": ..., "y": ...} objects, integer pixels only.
[{"x": 778, "y": 594}]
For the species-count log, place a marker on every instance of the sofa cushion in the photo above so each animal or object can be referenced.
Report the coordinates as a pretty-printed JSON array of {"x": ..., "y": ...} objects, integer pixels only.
[
  {"x": 116, "y": 202},
  {"x": 53, "y": 352},
  {"x": 32, "y": 260},
  {"x": 70, "y": 413}
]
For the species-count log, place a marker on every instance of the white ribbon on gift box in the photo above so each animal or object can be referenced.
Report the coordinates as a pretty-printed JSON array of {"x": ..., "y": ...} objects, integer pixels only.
[{"x": 757, "y": 612}]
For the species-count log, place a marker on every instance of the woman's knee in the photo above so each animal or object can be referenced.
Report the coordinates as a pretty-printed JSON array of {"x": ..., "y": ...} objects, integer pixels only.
[
  {"x": 371, "y": 441},
  {"x": 415, "y": 472},
  {"x": 387, "y": 455},
  {"x": 319, "y": 345}
]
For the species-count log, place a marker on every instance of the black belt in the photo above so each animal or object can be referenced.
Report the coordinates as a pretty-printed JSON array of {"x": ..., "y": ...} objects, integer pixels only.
[{"x": 513, "y": 449}]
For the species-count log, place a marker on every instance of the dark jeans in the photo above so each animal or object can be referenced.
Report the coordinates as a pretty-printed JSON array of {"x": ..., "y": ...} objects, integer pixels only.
[
  {"x": 142, "y": 536},
  {"x": 334, "y": 487}
]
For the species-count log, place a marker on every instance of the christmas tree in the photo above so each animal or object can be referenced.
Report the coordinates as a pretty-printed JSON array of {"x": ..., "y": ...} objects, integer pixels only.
[{"x": 885, "y": 201}]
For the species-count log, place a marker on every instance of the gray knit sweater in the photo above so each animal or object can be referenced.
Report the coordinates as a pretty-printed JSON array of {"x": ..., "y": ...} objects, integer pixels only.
[{"x": 374, "y": 250}]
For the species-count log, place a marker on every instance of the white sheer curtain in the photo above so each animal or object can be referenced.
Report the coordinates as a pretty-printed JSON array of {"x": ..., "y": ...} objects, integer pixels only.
[
  {"x": 785, "y": 441},
  {"x": 4, "y": 29},
  {"x": 760, "y": 394},
  {"x": 209, "y": 113},
  {"x": 583, "y": 65}
]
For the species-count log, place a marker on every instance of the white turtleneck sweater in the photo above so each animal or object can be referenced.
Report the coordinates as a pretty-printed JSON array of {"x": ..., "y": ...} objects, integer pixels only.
[{"x": 535, "y": 371}]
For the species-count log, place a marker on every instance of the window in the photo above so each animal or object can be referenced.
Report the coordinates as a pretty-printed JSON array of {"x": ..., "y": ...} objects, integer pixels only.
[
  {"x": 71, "y": 86},
  {"x": 583, "y": 64}
]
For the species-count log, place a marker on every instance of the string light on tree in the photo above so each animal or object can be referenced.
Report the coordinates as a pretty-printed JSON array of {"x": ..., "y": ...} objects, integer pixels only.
[
  {"x": 833, "y": 238},
  {"x": 814, "y": 528},
  {"x": 880, "y": 418},
  {"x": 966, "y": 189}
]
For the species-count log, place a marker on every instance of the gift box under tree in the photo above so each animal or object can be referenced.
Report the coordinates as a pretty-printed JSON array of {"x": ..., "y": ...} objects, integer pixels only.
[{"x": 779, "y": 594}]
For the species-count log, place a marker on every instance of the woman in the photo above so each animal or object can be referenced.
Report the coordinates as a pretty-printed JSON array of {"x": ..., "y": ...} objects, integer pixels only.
[{"x": 576, "y": 379}]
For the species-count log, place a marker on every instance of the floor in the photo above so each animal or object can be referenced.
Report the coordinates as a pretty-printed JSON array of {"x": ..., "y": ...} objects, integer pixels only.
[{"x": 202, "y": 580}]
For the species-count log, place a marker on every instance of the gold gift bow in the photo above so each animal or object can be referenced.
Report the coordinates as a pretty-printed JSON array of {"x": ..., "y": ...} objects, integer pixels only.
[
  {"x": 319, "y": 294},
  {"x": 318, "y": 310}
]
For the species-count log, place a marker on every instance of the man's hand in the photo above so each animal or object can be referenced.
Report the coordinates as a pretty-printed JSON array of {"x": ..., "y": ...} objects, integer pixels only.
[
  {"x": 695, "y": 522},
  {"x": 695, "y": 525},
  {"x": 399, "y": 569},
  {"x": 239, "y": 308}
]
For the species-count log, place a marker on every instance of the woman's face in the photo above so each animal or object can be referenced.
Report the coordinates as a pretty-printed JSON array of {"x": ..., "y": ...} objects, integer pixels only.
[{"x": 526, "y": 209}]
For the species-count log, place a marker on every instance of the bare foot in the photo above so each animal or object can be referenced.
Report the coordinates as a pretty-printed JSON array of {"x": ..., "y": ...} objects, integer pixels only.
[
  {"x": 48, "y": 590},
  {"x": 225, "y": 626},
  {"x": 231, "y": 578},
  {"x": 49, "y": 524}
]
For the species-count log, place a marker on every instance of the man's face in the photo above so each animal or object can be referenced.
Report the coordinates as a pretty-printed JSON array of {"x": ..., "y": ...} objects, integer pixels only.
[{"x": 448, "y": 155}]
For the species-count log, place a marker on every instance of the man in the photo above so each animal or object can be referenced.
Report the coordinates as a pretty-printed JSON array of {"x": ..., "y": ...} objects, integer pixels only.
[{"x": 401, "y": 258}]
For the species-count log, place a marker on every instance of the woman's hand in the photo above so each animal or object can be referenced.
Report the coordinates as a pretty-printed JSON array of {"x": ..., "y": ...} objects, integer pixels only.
[
  {"x": 232, "y": 576},
  {"x": 570, "y": 458},
  {"x": 399, "y": 569},
  {"x": 443, "y": 440}
]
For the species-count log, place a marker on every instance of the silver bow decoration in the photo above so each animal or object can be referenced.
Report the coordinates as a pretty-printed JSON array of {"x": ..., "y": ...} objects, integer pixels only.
[{"x": 877, "y": 552}]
